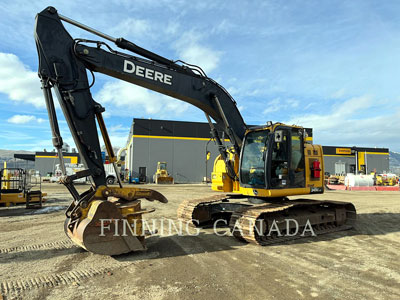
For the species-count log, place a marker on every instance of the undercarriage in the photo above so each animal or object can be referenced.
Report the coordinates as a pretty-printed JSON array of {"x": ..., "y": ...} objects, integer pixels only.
[{"x": 271, "y": 220}]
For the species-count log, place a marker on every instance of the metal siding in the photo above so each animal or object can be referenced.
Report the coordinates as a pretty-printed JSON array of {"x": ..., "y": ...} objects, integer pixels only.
[
  {"x": 47, "y": 164},
  {"x": 140, "y": 155},
  {"x": 185, "y": 158},
  {"x": 190, "y": 160},
  {"x": 329, "y": 163},
  {"x": 160, "y": 150},
  {"x": 378, "y": 162}
]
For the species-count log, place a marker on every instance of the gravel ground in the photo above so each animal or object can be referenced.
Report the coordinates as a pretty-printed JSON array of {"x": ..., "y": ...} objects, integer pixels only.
[{"x": 37, "y": 261}]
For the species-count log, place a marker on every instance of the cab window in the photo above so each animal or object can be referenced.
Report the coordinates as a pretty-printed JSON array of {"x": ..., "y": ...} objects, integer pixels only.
[{"x": 252, "y": 170}]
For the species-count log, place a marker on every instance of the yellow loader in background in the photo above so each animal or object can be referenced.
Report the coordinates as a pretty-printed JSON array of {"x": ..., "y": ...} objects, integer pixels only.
[{"x": 161, "y": 176}]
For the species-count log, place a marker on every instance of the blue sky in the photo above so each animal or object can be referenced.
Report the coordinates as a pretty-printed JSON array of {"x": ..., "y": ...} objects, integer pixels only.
[{"x": 330, "y": 65}]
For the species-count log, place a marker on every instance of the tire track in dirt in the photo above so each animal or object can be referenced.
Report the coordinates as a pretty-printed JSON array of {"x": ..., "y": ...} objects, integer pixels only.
[
  {"x": 16, "y": 287},
  {"x": 221, "y": 254},
  {"x": 312, "y": 262},
  {"x": 66, "y": 244}
]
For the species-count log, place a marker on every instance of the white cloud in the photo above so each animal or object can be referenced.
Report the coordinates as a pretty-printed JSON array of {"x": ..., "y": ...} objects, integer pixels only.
[
  {"x": 293, "y": 103},
  {"x": 241, "y": 108},
  {"x": 353, "y": 105},
  {"x": 338, "y": 94},
  {"x": 277, "y": 104},
  {"x": 190, "y": 49},
  {"x": 118, "y": 128},
  {"x": 23, "y": 119},
  {"x": 347, "y": 124},
  {"x": 131, "y": 27},
  {"x": 172, "y": 28},
  {"x": 18, "y": 82},
  {"x": 119, "y": 140},
  {"x": 273, "y": 106},
  {"x": 131, "y": 100},
  {"x": 233, "y": 90},
  {"x": 223, "y": 27}
]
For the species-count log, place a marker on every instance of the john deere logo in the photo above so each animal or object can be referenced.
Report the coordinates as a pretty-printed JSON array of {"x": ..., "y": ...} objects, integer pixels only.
[{"x": 130, "y": 67}]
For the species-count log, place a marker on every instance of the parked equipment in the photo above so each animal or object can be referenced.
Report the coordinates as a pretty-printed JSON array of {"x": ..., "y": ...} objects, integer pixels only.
[
  {"x": 70, "y": 170},
  {"x": 262, "y": 165},
  {"x": 386, "y": 179},
  {"x": 162, "y": 176},
  {"x": 18, "y": 187}
]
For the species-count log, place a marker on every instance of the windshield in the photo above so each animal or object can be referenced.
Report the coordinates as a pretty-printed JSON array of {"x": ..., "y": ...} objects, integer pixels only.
[{"x": 252, "y": 166}]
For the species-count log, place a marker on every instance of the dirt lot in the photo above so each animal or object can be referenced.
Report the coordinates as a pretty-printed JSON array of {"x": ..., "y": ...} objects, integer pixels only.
[{"x": 37, "y": 261}]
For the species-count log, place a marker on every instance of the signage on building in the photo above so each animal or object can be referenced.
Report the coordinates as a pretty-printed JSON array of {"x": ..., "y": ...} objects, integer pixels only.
[{"x": 346, "y": 151}]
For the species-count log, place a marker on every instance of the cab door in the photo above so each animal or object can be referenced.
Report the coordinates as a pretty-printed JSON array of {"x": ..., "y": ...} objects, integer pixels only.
[{"x": 286, "y": 168}]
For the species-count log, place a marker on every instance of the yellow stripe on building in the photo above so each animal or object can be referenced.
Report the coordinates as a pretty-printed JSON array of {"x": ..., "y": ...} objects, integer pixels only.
[
  {"x": 74, "y": 159},
  {"x": 337, "y": 155},
  {"x": 368, "y": 153},
  {"x": 172, "y": 137},
  {"x": 376, "y": 153}
]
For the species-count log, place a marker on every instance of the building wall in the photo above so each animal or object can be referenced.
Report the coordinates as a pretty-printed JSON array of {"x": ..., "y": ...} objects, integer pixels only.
[
  {"x": 330, "y": 160},
  {"x": 380, "y": 162},
  {"x": 374, "y": 159},
  {"x": 186, "y": 158},
  {"x": 183, "y": 146},
  {"x": 45, "y": 162}
]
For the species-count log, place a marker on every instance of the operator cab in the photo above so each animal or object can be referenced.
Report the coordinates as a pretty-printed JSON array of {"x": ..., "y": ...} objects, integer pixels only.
[{"x": 273, "y": 158}]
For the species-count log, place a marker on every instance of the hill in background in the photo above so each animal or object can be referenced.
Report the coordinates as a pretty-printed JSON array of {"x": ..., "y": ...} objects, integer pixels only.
[{"x": 8, "y": 157}]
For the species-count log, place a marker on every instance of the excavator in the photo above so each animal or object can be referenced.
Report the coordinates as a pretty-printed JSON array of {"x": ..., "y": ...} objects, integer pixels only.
[{"x": 255, "y": 172}]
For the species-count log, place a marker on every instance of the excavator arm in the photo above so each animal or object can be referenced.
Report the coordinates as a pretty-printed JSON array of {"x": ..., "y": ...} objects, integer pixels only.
[
  {"x": 64, "y": 62},
  {"x": 64, "y": 65}
]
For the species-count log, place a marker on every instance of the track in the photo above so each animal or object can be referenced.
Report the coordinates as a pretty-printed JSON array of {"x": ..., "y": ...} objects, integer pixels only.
[
  {"x": 247, "y": 221},
  {"x": 189, "y": 210},
  {"x": 323, "y": 216}
]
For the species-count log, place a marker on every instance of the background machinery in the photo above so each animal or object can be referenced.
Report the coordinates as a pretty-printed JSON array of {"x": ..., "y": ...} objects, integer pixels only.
[
  {"x": 261, "y": 166},
  {"x": 162, "y": 176},
  {"x": 388, "y": 179},
  {"x": 18, "y": 186}
]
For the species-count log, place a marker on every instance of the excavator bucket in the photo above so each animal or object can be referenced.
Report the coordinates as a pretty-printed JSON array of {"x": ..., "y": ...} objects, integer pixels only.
[{"x": 113, "y": 226}]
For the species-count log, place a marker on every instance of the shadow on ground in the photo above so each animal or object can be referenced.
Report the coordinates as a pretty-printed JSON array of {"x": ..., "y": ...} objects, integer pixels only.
[{"x": 21, "y": 210}]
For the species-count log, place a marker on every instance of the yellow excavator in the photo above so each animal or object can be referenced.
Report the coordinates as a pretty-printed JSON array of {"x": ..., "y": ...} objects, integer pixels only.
[
  {"x": 255, "y": 172},
  {"x": 162, "y": 176}
]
